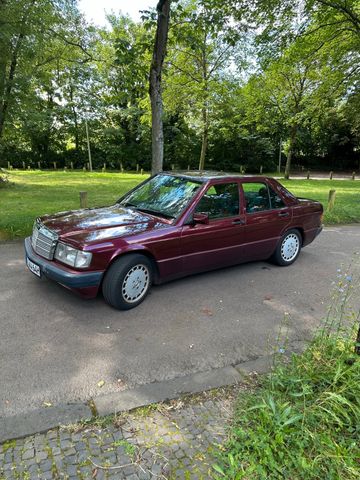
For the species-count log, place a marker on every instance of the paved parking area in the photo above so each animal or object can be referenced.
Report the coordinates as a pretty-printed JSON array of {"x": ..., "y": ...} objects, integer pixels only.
[{"x": 56, "y": 347}]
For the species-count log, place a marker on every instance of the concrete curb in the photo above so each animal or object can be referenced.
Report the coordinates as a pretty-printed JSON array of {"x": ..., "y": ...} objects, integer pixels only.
[{"x": 41, "y": 420}]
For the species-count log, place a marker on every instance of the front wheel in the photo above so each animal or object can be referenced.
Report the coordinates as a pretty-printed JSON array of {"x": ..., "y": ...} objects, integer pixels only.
[
  {"x": 127, "y": 282},
  {"x": 288, "y": 248}
]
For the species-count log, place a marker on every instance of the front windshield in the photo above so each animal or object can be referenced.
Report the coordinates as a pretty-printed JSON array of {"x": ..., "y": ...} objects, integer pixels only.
[{"x": 163, "y": 195}]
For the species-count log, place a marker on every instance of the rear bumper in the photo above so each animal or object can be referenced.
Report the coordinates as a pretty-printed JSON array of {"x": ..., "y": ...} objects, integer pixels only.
[{"x": 68, "y": 278}]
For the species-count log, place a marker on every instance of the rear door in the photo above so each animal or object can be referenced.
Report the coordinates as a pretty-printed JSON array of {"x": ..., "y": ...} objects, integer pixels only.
[
  {"x": 221, "y": 241},
  {"x": 267, "y": 218}
]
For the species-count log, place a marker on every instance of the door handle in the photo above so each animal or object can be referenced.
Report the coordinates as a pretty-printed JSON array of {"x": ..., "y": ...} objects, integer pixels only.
[
  {"x": 283, "y": 214},
  {"x": 239, "y": 221}
]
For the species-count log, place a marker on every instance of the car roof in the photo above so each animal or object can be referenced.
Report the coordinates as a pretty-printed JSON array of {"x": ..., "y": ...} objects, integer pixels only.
[{"x": 204, "y": 176}]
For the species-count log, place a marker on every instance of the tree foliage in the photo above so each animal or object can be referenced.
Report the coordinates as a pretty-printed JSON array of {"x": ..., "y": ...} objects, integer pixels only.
[{"x": 239, "y": 76}]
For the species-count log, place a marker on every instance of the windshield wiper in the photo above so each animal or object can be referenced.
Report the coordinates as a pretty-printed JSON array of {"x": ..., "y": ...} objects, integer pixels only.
[
  {"x": 127, "y": 204},
  {"x": 155, "y": 212}
]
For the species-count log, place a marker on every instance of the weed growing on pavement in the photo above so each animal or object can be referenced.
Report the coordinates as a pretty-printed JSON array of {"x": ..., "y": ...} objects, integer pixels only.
[
  {"x": 7, "y": 445},
  {"x": 304, "y": 421},
  {"x": 129, "y": 448}
]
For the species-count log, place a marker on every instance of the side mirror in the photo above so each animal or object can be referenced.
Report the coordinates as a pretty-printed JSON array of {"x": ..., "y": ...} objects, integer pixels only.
[{"x": 200, "y": 217}]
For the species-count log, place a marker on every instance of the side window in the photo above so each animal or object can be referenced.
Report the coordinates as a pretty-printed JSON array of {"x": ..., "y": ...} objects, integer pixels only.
[
  {"x": 275, "y": 199},
  {"x": 257, "y": 197},
  {"x": 220, "y": 201}
]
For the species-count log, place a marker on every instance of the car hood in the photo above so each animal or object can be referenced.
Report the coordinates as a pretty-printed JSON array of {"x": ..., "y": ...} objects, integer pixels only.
[{"x": 94, "y": 224}]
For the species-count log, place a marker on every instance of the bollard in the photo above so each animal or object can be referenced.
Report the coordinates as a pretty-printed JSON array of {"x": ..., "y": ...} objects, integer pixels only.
[
  {"x": 137, "y": 168},
  {"x": 72, "y": 165},
  {"x": 121, "y": 168},
  {"x": 104, "y": 167},
  {"x": 331, "y": 200},
  {"x": 54, "y": 165},
  {"x": 83, "y": 200},
  {"x": 261, "y": 169},
  {"x": 188, "y": 168},
  {"x": 142, "y": 171},
  {"x": 29, "y": 167},
  {"x": 331, "y": 175},
  {"x": 9, "y": 165},
  {"x": 39, "y": 165},
  {"x": 84, "y": 168},
  {"x": 308, "y": 175},
  {"x": 353, "y": 176},
  {"x": 172, "y": 167},
  {"x": 23, "y": 163},
  {"x": 65, "y": 169}
]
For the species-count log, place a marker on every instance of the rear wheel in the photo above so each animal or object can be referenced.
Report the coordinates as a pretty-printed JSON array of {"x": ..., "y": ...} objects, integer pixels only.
[
  {"x": 288, "y": 248},
  {"x": 127, "y": 282}
]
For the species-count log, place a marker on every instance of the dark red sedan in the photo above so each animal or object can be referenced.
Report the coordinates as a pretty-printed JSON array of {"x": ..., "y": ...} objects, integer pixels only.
[{"x": 171, "y": 225}]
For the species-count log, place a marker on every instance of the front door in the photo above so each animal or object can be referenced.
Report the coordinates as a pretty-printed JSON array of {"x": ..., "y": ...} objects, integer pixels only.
[{"x": 219, "y": 242}]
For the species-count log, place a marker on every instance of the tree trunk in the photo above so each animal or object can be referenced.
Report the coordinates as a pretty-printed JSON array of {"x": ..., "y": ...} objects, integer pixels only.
[
  {"x": 4, "y": 104},
  {"x": 205, "y": 110},
  {"x": 76, "y": 125},
  {"x": 293, "y": 135},
  {"x": 205, "y": 135},
  {"x": 163, "y": 9}
]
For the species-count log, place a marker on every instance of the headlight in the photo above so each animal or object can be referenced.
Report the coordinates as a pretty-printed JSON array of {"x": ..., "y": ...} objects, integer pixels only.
[{"x": 71, "y": 256}]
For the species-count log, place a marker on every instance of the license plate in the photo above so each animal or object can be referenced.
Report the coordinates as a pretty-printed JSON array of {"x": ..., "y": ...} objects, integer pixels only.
[{"x": 35, "y": 269}]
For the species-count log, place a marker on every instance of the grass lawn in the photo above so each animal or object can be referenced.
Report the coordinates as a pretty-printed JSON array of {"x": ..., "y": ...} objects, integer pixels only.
[{"x": 35, "y": 193}]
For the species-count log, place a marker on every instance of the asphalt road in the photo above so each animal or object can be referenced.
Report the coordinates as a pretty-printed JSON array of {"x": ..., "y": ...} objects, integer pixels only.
[{"x": 56, "y": 347}]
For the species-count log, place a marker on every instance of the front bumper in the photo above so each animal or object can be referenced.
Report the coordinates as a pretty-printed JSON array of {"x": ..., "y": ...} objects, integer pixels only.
[{"x": 69, "y": 279}]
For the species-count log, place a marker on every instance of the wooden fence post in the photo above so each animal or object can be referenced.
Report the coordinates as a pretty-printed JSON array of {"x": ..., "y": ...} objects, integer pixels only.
[
  {"x": 308, "y": 175},
  {"x": 83, "y": 200},
  {"x": 357, "y": 343},
  {"x": 331, "y": 175},
  {"x": 331, "y": 200}
]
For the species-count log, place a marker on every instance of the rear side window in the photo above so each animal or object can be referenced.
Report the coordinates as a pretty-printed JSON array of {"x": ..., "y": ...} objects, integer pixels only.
[{"x": 260, "y": 197}]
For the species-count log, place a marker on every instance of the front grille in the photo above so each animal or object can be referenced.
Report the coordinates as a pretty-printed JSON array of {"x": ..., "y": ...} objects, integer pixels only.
[{"x": 43, "y": 241}]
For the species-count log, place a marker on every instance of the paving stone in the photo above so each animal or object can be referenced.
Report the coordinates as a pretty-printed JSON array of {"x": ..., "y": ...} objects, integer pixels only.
[
  {"x": 47, "y": 475},
  {"x": 30, "y": 453},
  {"x": 45, "y": 466},
  {"x": 71, "y": 470},
  {"x": 65, "y": 443},
  {"x": 41, "y": 455}
]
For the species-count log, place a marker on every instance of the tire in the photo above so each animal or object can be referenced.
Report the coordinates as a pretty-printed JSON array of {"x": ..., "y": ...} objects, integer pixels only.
[
  {"x": 128, "y": 281},
  {"x": 288, "y": 248}
]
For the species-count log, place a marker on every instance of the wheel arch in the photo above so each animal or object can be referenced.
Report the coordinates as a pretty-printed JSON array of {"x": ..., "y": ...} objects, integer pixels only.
[
  {"x": 140, "y": 251},
  {"x": 300, "y": 230}
]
